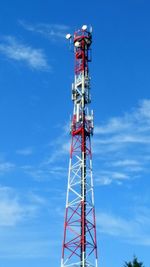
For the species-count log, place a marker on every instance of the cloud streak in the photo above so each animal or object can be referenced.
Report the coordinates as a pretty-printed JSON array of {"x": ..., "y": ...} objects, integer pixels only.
[
  {"x": 50, "y": 31},
  {"x": 133, "y": 230},
  {"x": 13, "y": 210},
  {"x": 25, "y": 152},
  {"x": 137, "y": 121},
  {"x": 6, "y": 166},
  {"x": 11, "y": 48},
  {"x": 122, "y": 145}
]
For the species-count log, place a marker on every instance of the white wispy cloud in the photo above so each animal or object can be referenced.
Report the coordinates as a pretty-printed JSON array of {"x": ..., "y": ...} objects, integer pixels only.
[
  {"x": 136, "y": 121},
  {"x": 59, "y": 149},
  {"x": 45, "y": 171},
  {"x": 132, "y": 230},
  {"x": 50, "y": 31},
  {"x": 28, "y": 243},
  {"x": 113, "y": 125},
  {"x": 25, "y": 151},
  {"x": 106, "y": 177},
  {"x": 20, "y": 237},
  {"x": 37, "y": 199},
  {"x": 6, "y": 166},
  {"x": 126, "y": 162},
  {"x": 26, "y": 249},
  {"x": 122, "y": 145},
  {"x": 13, "y": 210},
  {"x": 18, "y": 51}
]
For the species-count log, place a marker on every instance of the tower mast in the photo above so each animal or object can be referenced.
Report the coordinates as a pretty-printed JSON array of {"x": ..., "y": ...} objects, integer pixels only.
[{"x": 79, "y": 243}]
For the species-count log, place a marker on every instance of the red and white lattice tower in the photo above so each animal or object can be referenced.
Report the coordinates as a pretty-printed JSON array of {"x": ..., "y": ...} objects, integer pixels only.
[{"x": 79, "y": 244}]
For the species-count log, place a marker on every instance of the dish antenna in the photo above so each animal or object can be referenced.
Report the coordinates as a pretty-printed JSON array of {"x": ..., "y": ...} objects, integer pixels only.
[
  {"x": 68, "y": 36},
  {"x": 84, "y": 27}
]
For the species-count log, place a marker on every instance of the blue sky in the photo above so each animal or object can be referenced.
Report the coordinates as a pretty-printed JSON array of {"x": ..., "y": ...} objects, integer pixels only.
[{"x": 36, "y": 72}]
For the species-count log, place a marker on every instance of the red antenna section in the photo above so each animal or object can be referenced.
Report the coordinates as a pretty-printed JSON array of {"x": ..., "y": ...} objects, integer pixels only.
[{"x": 79, "y": 243}]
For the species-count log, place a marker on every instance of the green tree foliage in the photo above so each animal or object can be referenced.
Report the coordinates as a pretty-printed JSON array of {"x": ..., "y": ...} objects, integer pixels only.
[{"x": 134, "y": 263}]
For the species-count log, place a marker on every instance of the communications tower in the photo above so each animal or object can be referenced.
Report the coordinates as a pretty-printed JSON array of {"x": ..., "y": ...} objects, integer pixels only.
[{"x": 79, "y": 243}]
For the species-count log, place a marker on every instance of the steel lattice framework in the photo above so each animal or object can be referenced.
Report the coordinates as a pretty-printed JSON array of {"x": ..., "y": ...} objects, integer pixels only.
[{"x": 79, "y": 244}]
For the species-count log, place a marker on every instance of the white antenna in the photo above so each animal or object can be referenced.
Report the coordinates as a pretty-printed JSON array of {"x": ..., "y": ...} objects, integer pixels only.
[
  {"x": 68, "y": 36},
  {"x": 84, "y": 27},
  {"x": 91, "y": 29}
]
